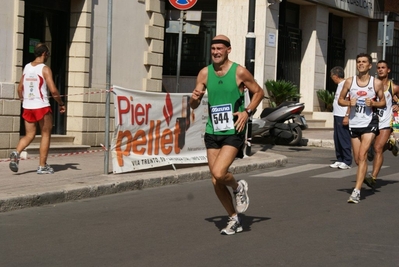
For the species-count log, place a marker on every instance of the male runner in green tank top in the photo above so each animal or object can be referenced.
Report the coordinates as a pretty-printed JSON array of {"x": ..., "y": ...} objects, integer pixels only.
[{"x": 225, "y": 130}]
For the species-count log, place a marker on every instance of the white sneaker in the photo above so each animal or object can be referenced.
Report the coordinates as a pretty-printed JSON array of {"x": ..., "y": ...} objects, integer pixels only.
[
  {"x": 354, "y": 198},
  {"x": 242, "y": 199},
  {"x": 343, "y": 166},
  {"x": 45, "y": 170},
  {"x": 335, "y": 165},
  {"x": 14, "y": 161},
  {"x": 232, "y": 227}
]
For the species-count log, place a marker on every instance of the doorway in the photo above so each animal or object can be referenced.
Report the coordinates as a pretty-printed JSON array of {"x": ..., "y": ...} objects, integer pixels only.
[
  {"x": 336, "y": 49},
  {"x": 290, "y": 44},
  {"x": 47, "y": 21}
]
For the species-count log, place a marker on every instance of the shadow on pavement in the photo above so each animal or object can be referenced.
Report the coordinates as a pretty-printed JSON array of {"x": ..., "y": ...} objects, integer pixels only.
[
  {"x": 246, "y": 221},
  {"x": 64, "y": 167},
  {"x": 366, "y": 191}
]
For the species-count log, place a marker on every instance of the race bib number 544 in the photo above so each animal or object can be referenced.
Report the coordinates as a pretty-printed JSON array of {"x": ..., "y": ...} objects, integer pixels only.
[{"x": 222, "y": 117}]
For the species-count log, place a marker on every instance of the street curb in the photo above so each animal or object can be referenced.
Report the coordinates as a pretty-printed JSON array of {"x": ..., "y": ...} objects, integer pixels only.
[
  {"x": 317, "y": 142},
  {"x": 320, "y": 143},
  {"x": 260, "y": 160}
]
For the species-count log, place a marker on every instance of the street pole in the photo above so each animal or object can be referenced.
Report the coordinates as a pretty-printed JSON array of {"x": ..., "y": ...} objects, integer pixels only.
[
  {"x": 108, "y": 88},
  {"x": 179, "y": 50},
  {"x": 250, "y": 63}
]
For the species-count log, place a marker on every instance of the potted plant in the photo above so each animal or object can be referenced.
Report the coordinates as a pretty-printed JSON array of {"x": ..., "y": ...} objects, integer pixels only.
[
  {"x": 280, "y": 91},
  {"x": 327, "y": 98}
]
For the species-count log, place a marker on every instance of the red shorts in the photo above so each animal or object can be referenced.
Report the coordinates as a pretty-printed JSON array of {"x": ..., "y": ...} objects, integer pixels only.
[{"x": 35, "y": 115}]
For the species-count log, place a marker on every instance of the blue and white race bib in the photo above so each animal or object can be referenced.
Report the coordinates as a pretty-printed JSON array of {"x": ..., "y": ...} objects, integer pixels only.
[{"x": 222, "y": 117}]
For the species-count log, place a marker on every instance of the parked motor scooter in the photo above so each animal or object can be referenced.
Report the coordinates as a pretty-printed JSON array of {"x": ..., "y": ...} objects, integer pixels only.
[{"x": 284, "y": 123}]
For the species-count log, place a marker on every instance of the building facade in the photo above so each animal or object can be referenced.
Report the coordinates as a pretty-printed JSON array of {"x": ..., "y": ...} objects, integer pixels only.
[
  {"x": 76, "y": 33},
  {"x": 296, "y": 40}
]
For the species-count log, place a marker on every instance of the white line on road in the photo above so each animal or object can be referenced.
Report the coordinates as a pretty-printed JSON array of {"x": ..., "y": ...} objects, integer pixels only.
[
  {"x": 292, "y": 170},
  {"x": 335, "y": 174},
  {"x": 338, "y": 173}
]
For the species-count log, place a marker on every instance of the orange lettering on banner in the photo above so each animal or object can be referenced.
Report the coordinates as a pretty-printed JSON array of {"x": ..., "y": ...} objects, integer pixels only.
[
  {"x": 154, "y": 136},
  {"x": 167, "y": 138},
  {"x": 139, "y": 139},
  {"x": 177, "y": 133},
  {"x": 153, "y": 142},
  {"x": 150, "y": 136},
  {"x": 148, "y": 143},
  {"x": 157, "y": 137},
  {"x": 119, "y": 153}
]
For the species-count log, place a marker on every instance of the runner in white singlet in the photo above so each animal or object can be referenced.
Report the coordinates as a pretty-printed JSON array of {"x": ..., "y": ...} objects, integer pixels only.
[
  {"x": 35, "y": 87},
  {"x": 364, "y": 91},
  {"x": 37, "y": 78},
  {"x": 385, "y": 125}
]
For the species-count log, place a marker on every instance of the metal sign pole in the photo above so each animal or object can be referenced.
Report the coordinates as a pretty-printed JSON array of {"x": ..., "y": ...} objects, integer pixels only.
[
  {"x": 108, "y": 87},
  {"x": 179, "y": 49},
  {"x": 250, "y": 63}
]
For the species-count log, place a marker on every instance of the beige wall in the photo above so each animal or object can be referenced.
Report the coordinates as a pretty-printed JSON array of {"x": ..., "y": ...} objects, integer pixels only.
[
  {"x": 355, "y": 34},
  {"x": 11, "y": 42},
  {"x": 314, "y": 25},
  {"x": 137, "y": 47},
  {"x": 137, "y": 54},
  {"x": 7, "y": 28}
]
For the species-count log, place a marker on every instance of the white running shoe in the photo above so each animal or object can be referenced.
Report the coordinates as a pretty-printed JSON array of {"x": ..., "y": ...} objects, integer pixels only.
[
  {"x": 242, "y": 199},
  {"x": 45, "y": 170},
  {"x": 232, "y": 227},
  {"x": 335, "y": 165},
  {"x": 344, "y": 166},
  {"x": 354, "y": 198},
  {"x": 14, "y": 161}
]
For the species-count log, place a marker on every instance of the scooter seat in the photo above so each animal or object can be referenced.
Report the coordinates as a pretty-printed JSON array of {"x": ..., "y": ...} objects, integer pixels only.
[{"x": 267, "y": 111}]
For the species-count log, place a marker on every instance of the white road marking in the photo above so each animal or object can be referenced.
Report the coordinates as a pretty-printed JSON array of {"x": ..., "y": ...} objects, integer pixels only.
[
  {"x": 338, "y": 173},
  {"x": 334, "y": 173},
  {"x": 292, "y": 170}
]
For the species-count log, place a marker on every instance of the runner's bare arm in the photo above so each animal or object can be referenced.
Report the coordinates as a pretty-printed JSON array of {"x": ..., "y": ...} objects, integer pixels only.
[
  {"x": 199, "y": 89},
  {"x": 20, "y": 89},
  {"x": 342, "y": 100},
  {"x": 245, "y": 77},
  {"x": 48, "y": 76},
  {"x": 379, "y": 90},
  {"x": 395, "y": 97}
]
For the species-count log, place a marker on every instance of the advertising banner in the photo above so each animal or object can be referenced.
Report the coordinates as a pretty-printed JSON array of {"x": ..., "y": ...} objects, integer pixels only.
[{"x": 156, "y": 129}]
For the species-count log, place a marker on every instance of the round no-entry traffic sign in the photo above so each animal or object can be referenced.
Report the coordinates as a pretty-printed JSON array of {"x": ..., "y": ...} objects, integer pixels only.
[{"x": 183, "y": 4}]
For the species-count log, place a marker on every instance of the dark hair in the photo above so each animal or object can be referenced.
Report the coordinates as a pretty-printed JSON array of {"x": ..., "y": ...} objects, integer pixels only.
[
  {"x": 365, "y": 55},
  {"x": 338, "y": 71},
  {"x": 383, "y": 61},
  {"x": 40, "y": 48}
]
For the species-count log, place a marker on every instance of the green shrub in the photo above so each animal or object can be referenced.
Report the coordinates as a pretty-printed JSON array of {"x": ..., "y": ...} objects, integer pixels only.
[
  {"x": 327, "y": 98},
  {"x": 280, "y": 91}
]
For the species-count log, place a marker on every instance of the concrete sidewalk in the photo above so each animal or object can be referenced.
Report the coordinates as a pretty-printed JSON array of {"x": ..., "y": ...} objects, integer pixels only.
[{"x": 82, "y": 176}]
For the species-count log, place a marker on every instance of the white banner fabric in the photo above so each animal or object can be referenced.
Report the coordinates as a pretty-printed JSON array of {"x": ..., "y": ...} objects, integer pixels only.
[{"x": 156, "y": 129}]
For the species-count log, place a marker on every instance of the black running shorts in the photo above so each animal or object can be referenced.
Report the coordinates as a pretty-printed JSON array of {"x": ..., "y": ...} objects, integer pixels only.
[
  {"x": 217, "y": 141},
  {"x": 371, "y": 128}
]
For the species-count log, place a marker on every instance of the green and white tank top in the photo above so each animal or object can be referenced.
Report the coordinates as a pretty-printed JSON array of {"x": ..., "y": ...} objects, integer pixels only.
[{"x": 224, "y": 98}]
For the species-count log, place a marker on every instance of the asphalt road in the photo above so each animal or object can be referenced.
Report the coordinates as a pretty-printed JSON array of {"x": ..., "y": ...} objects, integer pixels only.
[{"x": 298, "y": 216}]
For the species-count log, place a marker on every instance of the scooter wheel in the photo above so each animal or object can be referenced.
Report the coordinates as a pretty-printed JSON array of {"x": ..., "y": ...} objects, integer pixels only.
[
  {"x": 297, "y": 131},
  {"x": 294, "y": 141}
]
